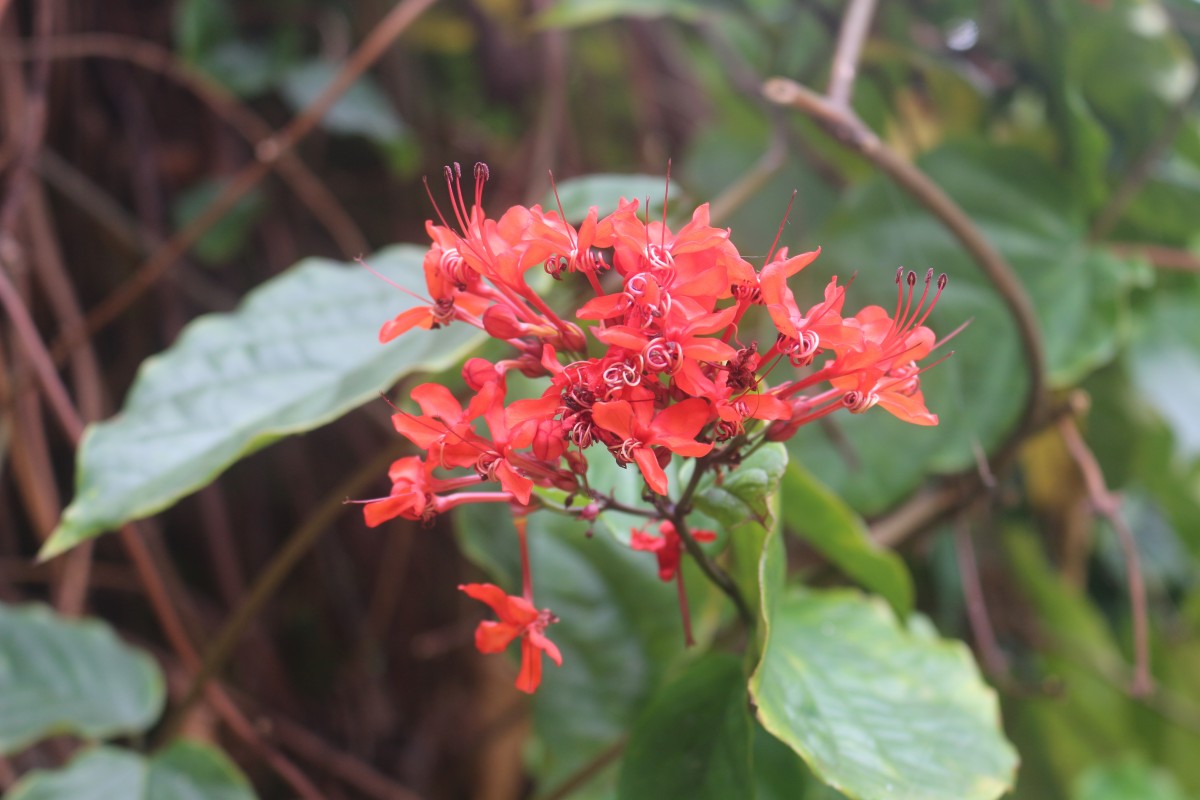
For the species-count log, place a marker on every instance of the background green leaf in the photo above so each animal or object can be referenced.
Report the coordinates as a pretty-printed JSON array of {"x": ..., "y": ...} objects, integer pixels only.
[
  {"x": 821, "y": 518},
  {"x": 1126, "y": 780},
  {"x": 605, "y": 191},
  {"x": 694, "y": 739},
  {"x": 70, "y": 676},
  {"x": 300, "y": 351},
  {"x": 878, "y": 710},
  {"x": 183, "y": 771},
  {"x": 363, "y": 110},
  {"x": 1080, "y": 294},
  {"x": 620, "y": 629}
]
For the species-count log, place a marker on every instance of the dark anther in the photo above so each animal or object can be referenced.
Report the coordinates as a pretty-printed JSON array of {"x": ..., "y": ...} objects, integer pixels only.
[
  {"x": 911, "y": 280},
  {"x": 481, "y": 171},
  {"x": 929, "y": 276},
  {"x": 899, "y": 274},
  {"x": 448, "y": 172},
  {"x": 457, "y": 170},
  {"x": 942, "y": 281}
]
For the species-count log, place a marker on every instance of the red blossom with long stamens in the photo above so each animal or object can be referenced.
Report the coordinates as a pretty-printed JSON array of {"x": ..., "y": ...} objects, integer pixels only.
[{"x": 670, "y": 369}]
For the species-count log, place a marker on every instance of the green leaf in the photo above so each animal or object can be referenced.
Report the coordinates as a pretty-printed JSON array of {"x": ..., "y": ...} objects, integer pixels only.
[
  {"x": 1125, "y": 780},
  {"x": 363, "y": 110},
  {"x": 1166, "y": 363},
  {"x": 620, "y": 628},
  {"x": 70, "y": 676},
  {"x": 575, "y": 13},
  {"x": 603, "y": 191},
  {"x": 694, "y": 739},
  {"x": 199, "y": 26},
  {"x": 184, "y": 771},
  {"x": 878, "y": 710},
  {"x": 822, "y": 519},
  {"x": 745, "y": 492},
  {"x": 300, "y": 351},
  {"x": 1080, "y": 294}
]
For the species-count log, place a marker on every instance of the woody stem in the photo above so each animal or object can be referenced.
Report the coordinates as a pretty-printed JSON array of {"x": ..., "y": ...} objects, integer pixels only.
[
  {"x": 710, "y": 568},
  {"x": 684, "y": 611}
]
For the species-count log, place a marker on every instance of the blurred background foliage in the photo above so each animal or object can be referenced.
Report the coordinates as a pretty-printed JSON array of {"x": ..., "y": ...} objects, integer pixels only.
[{"x": 1065, "y": 129}]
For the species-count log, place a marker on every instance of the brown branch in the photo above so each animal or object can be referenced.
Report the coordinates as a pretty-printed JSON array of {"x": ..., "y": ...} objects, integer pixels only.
[
  {"x": 148, "y": 571},
  {"x": 1109, "y": 505},
  {"x": 224, "y": 105},
  {"x": 848, "y": 128},
  {"x": 1142, "y": 169},
  {"x": 343, "y": 766},
  {"x": 269, "y": 153},
  {"x": 844, "y": 69},
  {"x": 994, "y": 660},
  {"x": 588, "y": 772},
  {"x": 271, "y": 578},
  {"x": 1159, "y": 256}
]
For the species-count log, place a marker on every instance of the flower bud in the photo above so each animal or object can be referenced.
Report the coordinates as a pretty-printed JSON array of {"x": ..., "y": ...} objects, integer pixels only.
[{"x": 500, "y": 321}]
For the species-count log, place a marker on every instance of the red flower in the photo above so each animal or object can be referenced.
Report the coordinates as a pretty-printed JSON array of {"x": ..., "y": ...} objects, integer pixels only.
[
  {"x": 518, "y": 617},
  {"x": 668, "y": 548},
  {"x": 640, "y": 430}
]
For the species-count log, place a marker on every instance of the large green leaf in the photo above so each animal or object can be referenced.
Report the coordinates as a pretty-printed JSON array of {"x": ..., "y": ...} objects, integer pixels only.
[
  {"x": 619, "y": 629},
  {"x": 694, "y": 739},
  {"x": 1080, "y": 294},
  {"x": 878, "y": 710},
  {"x": 824, "y": 520},
  {"x": 184, "y": 771},
  {"x": 300, "y": 351},
  {"x": 70, "y": 676}
]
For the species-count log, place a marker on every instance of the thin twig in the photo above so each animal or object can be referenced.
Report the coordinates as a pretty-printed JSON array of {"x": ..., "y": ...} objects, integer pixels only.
[
  {"x": 350, "y": 770},
  {"x": 143, "y": 560},
  {"x": 994, "y": 660},
  {"x": 240, "y": 117},
  {"x": 736, "y": 195},
  {"x": 271, "y": 578},
  {"x": 587, "y": 772},
  {"x": 1109, "y": 505},
  {"x": 1142, "y": 169},
  {"x": 269, "y": 152},
  {"x": 844, "y": 69},
  {"x": 1159, "y": 256},
  {"x": 846, "y": 126}
]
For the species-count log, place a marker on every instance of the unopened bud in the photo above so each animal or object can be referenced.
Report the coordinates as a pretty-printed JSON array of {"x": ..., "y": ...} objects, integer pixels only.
[{"x": 501, "y": 322}]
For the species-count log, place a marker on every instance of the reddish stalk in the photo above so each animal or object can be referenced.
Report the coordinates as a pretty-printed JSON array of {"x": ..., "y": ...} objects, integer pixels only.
[{"x": 1109, "y": 505}]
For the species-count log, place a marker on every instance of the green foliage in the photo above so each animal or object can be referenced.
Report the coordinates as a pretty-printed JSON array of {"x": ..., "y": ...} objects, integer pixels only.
[
  {"x": 879, "y": 710},
  {"x": 694, "y": 739},
  {"x": 577, "y": 195},
  {"x": 363, "y": 110},
  {"x": 620, "y": 630},
  {"x": 228, "y": 237},
  {"x": 300, "y": 351},
  {"x": 66, "y": 676},
  {"x": 62, "y": 676},
  {"x": 183, "y": 771},
  {"x": 1125, "y": 780},
  {"x": 822, "y": 519}
]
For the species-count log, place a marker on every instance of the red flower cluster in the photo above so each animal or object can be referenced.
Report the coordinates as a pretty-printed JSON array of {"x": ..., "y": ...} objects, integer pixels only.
[{"x": 663, "y": 373}]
